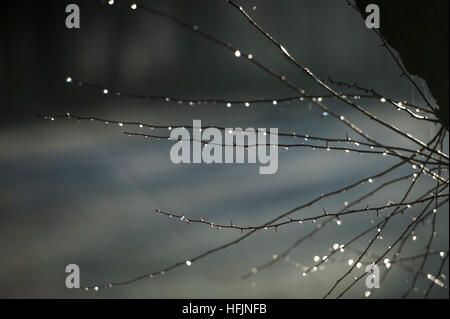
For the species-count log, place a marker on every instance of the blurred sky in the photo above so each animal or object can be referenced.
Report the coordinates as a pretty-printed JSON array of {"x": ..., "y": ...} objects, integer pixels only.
[{"x": 86, "y": 193}]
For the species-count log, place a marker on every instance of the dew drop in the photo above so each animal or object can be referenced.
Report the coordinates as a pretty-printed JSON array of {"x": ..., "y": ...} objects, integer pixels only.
[{"x": 284, "y": 50}]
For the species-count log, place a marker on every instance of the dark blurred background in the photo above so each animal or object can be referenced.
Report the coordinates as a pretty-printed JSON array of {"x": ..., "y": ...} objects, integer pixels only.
[{"x": 85, "y": 193}]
